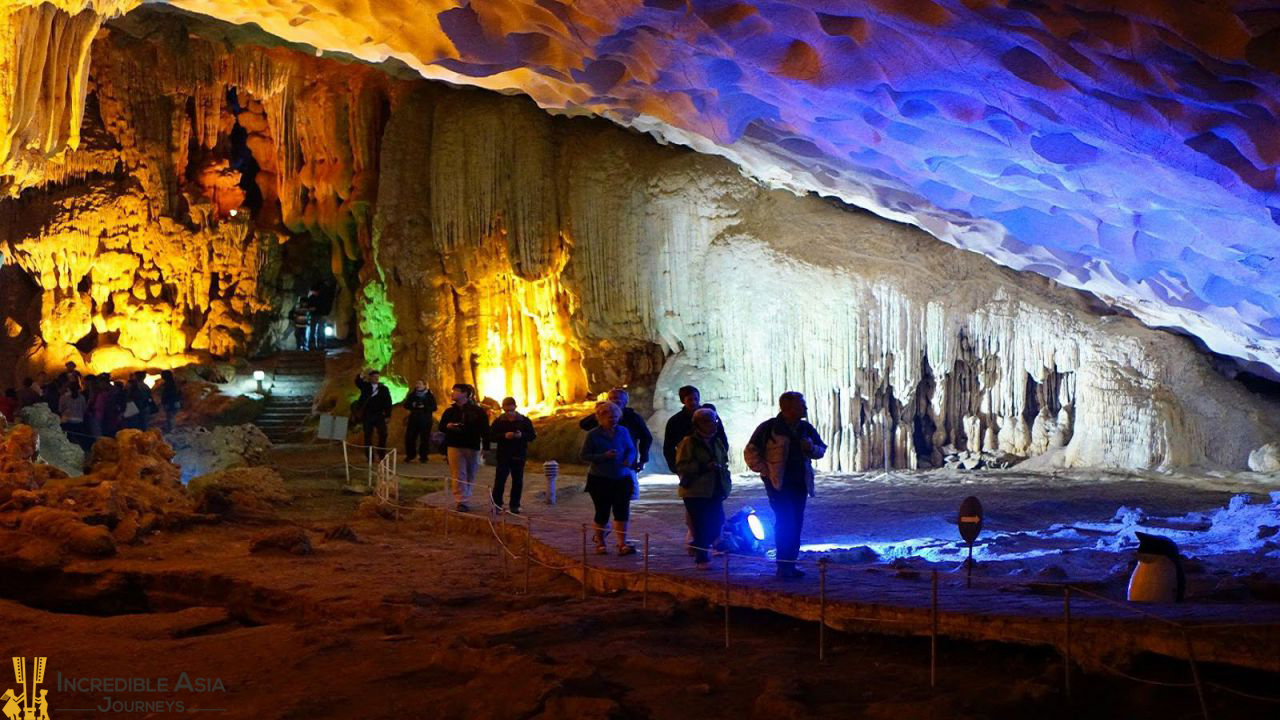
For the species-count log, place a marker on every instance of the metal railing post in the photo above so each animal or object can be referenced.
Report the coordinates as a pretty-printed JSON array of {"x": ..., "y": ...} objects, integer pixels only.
[
  {"x": 528, "y": 551},
  {"x": 1066, "y": 645},
  {"x": 584, "y": 561},
  {"x": 726, "y": 601},
  {"x": 644, "y": 602},
  {"x": 933, "y": 631},
  {"x": 822, "y": 609}
]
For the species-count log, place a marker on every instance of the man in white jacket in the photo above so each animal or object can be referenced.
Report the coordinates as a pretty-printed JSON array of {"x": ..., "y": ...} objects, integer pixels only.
[{"x": 782, "y": 450}]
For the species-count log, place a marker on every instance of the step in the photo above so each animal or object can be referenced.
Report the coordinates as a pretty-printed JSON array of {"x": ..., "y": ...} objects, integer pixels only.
[{"x": 283, "y": 415}]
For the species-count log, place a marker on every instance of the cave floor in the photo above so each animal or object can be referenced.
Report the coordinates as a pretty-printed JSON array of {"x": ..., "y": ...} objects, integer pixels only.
[
  {"x": 411, "y": 622},
  {"x": 883, "y": 536}
]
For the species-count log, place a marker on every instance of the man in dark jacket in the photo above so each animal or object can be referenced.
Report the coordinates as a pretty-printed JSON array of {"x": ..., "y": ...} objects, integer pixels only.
[
  {"x": 374, "y": 405},
  {"x": 782, "y": 450},
  {"x": 300, "y": 316},
  {"x": 681, "y": 424},
  {"x": 320, "y": 301},
  {"x": 421, "y": 405},
  {"x": 466, "y": 429},
  {"x": 511, "y": 433},
  {"x": 632, "y": 421}
]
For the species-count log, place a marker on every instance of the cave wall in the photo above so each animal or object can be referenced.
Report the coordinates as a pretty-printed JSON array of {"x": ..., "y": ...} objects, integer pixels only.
[
  {"x": 476, "y": 238},
  {"x": 494, "y": 218},
  {"x": 142, "y": 246}
]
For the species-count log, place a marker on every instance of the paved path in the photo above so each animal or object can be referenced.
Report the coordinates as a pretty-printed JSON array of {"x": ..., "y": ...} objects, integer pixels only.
[{"x": 876, "y": 597}]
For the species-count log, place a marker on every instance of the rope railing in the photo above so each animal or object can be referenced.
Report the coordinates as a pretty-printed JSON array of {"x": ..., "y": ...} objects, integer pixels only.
[{"x": 500, "y": 521}]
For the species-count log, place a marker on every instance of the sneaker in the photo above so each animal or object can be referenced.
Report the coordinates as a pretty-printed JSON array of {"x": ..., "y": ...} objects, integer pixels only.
[
  {"x": 515, "y": 511},
  {"x": 462, "y": 507},
  {"x": 790, "y": 572},
  {"x": 702, "y": 565}
]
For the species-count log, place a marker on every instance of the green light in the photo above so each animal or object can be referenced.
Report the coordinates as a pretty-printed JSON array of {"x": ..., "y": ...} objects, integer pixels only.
[{"x": 376, "y": 318}]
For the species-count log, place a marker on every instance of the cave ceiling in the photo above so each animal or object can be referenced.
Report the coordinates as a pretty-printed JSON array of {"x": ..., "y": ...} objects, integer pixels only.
[{"x": 1125, "y": 148}]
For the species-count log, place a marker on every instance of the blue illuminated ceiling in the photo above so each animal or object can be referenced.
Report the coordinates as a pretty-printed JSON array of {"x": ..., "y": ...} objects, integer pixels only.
[{"x": 1128, "y": 148}]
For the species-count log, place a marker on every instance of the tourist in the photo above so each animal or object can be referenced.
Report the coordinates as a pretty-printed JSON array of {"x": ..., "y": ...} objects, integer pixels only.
[
  {"x": 117, "y": 400},
  {"x": 170, "y": 398},
  {"x": 782, "y": 450},
  {"x": 300, "y": 315},
  {"x": 466, "y": 428},
  {"x": 373, "y": 407},
  {"x": 681, "y": 424},
  {"x": 30, "y": 393},
  {"x": 421, "y": 405},
  {"x": 702, "y": 462},
  {"x": 9, "y": 405},
  {"x": 96, "y": 397},
  {"x": 634, "y": 424},
  {"x": 511, "y": 433},
  {"x": 72, "y": 408},
  {"x": 143, "y": 404},
  {"x": 320, "y": 302},
  {"x": 611, "y": 454},
  {"x": 69, "y": 373},
  {"x": 678, "y": 428}
]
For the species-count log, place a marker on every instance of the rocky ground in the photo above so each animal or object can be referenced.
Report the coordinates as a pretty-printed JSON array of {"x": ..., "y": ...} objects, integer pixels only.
[{"x": 338, "y": 617}]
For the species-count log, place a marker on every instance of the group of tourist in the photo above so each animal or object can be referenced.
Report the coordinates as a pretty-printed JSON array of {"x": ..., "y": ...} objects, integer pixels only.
[
  {"x": 308, "y": 318},
  {"x": 616, "y": 449},
  {"x": 695, "y": 446},
  {"x": 464, "y": 431},
  {"x": 90, "y": 406}
]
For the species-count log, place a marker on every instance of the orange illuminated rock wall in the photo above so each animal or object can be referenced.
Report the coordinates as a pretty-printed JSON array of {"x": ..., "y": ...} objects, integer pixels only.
[{"x": 125, "y": 213}]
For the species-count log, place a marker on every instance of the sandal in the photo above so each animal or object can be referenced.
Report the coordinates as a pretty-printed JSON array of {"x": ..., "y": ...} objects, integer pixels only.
[
  {"x": 602, "y": 550},
  {"x": 626, "y": 550}
]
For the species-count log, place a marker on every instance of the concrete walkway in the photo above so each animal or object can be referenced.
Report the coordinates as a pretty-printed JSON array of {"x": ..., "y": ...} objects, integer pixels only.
[{"x": 864, "y": 598}]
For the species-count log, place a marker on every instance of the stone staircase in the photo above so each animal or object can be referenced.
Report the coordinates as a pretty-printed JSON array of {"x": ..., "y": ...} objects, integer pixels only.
[{"x": 292, "y": 388}]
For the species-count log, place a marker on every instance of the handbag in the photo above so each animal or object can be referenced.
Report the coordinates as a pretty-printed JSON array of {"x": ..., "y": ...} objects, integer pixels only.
[{"x": 130, "y": 409}]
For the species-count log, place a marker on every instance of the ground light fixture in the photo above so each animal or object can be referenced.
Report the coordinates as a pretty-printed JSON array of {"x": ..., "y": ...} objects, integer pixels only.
[
  {"x": 744, "y": 532},
  {"x": 258, "y": 377}
]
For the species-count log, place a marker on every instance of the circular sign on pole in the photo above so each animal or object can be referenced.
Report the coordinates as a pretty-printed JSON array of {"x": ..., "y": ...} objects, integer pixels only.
[{"x": 970, "y": 520}]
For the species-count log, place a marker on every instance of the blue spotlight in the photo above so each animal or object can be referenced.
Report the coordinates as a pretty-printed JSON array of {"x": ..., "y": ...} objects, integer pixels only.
[{"x": 744, "y": 532}]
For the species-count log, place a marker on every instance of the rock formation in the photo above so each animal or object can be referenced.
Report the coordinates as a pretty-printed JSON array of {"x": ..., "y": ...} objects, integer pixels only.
[
  {"x": 1126, "y": 148},
  {"x": 200, "y": 452},
  {"x": 132, "y": 489},
  {"x": 1265, "y": 458},
  {"x": 54, "y": 447},
  {"x": 475, "y": 238}
]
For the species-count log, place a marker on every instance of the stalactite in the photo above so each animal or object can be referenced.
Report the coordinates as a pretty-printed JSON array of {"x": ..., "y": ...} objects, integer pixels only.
[{"x": 42, "y": 87}]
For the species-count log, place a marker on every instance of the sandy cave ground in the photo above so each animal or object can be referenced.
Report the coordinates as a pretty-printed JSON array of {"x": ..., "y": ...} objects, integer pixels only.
[{"x": 408, "y": 623}]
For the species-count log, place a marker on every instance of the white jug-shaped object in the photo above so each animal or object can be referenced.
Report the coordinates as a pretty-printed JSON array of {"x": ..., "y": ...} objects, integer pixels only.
[{"x": 1158, "y": 577}]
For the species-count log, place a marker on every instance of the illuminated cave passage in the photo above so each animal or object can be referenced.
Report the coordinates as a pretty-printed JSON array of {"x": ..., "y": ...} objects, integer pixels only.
[
  {"x": 1023, "y": 252},
  {"x": 189, "y": 180}
]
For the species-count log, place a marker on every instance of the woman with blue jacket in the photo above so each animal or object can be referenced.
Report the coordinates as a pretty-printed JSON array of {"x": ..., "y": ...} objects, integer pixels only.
[{"x": 611, "y": 453}]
